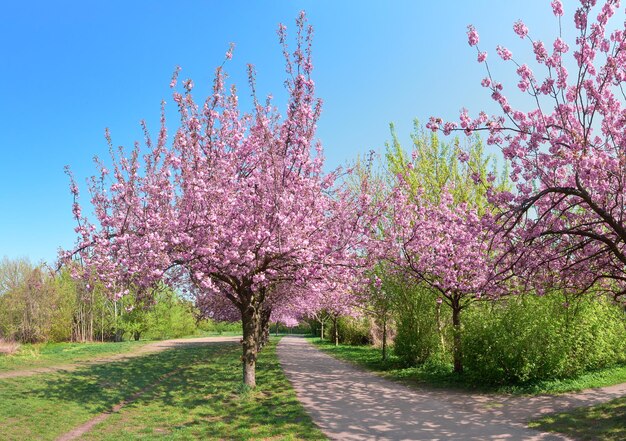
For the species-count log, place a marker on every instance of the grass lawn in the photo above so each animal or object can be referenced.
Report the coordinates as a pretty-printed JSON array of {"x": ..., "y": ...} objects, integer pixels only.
[
  {"x": 204, "y": 399},
  {"x": 51, "y": 354},
  {"x": 441, "y": 375},
  {"x": 605, "y": 422}
]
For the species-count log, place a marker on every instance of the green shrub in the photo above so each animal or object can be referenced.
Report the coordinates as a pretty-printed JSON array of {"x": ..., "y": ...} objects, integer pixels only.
[
  {"x": 417, "y": 335},
  {"x": 528, "y": 338},
  {"x": 170, "y": 317},
  {"x": 353, "y": 331},
  {"x": 210, "y": 326}
]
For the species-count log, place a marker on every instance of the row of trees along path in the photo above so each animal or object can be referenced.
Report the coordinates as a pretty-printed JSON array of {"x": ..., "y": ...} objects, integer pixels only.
[{"x": 239, "y": 210}]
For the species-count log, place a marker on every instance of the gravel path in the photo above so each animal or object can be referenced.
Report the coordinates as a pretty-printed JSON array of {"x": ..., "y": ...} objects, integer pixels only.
[
  {"x": 149, "y": 348},
  {"x": 348, "y": 403}
]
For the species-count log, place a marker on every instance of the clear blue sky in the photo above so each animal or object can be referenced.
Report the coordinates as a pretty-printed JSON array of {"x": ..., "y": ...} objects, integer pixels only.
[{"x": 70, "y": 69}]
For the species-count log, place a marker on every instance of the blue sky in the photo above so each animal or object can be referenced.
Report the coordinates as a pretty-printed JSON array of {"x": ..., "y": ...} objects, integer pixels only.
[{"x": 68, "y": 69}]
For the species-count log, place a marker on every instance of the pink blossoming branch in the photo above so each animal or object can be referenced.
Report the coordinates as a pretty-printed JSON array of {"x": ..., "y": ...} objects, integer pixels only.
[{"x": 567, "y": 154}]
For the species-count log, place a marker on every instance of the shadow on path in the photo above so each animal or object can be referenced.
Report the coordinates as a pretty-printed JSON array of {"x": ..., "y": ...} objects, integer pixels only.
[{"x": 351, "y": 404}]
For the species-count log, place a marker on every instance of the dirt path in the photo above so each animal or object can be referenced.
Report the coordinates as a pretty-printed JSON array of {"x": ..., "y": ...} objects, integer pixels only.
[
  {"x": 348, "y": 403},
  {"x": 149, "y": 348}
]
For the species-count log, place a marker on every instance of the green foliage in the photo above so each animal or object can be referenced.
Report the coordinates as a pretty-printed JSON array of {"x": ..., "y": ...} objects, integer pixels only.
[
  {"x": 33, "y": 306},
  {"x": 353, "y": 331},
  {"x": 37, "y": 305},
  {"x": 417, "y": 332},
  {"x": 438, "y": 373},
  {"x": 525, "y": 339},
  {"x": 65, "y": 305},
  {"x": 171, "y": 316},
  {"x": 302, "y": 328},
  {"x": 209, "y": 326},
  {"x": 433, "y": 165}
]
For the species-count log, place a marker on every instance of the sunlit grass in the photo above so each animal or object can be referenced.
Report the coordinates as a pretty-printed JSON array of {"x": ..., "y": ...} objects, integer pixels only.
[
  {"x": 203, "y": 400},
  {"x": 50, "y": 354},
  {"x": 604, "y": 422}
]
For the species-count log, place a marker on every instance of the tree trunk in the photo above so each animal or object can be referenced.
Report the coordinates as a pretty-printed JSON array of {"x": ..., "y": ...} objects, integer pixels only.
[
  {"x": 115, "y": 322},
  {"x": 250, "y": 324},
  {"x": 440, "y": 328},
  {"x": 91, "y": 317},
  {"x": 384, "y": 338},
  {"x": 456, "y": 323},
  {"x": 276, "y": 329},
  {"x": 335, "y": 331},
  {"x": 263, "y": 327},
  {"x": 322, "y": 330}
]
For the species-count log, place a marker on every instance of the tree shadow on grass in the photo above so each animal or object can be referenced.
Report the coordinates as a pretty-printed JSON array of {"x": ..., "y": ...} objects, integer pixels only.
[
  {"x": 202, "y": 398},
  {"x": 101, "y": 386}
]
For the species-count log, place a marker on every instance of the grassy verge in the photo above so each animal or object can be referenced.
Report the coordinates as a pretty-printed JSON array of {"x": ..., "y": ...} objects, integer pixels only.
[
  {"x": 605, "y": 422},
  {"x": 203, "y": 400},
  {"x": 441, "y": 375},
  {"x": 51, "y": 354}
]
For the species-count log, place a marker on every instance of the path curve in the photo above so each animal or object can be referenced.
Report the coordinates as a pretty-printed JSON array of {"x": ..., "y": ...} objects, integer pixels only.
[
  {"x": 348, "y": 403},
  {"x": 149, "y": 348}
]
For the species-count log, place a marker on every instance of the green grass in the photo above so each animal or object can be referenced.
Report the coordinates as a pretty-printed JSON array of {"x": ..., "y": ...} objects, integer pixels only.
[
  {"x": 203, "y": 400},
  {"x": 441, "y": 375},
  {"x": 50, "y": 354},
  {"x": 604, "y": 422}
]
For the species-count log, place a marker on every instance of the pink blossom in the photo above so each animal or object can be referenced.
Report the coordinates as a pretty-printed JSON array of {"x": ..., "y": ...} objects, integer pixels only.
[
  {"x": 229, "y": 53},
  {"x": 504, "y": 53},
  {"x": 472, "y": 35},
  {"x": 463, "y": 156},
  {"x": 560, "y": 46},
  {"x": 520, "y": 29},
  {"x": 540, "y": 51},
  {"x": 557, "y": 8},
  {"x": 580, "y": 18}
]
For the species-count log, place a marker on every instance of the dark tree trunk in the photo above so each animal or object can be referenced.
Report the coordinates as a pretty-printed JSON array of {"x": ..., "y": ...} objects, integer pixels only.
[
  {"x": 263, "y": 327},
  {"x": 255, "y": 320},
  {"x": 456, "y": 324},
  {"x": 250, "y": 325}
]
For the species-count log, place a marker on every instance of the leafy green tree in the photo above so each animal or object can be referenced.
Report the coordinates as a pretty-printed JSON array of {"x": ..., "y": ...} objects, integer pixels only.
[
  {"x": 171, "y": 316},
  {"x": 433, "y": 165}
]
